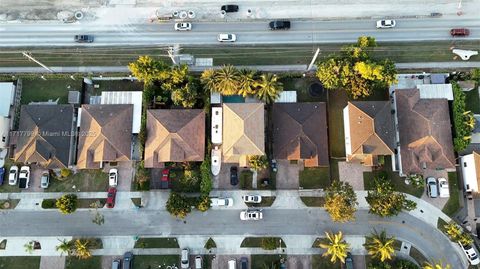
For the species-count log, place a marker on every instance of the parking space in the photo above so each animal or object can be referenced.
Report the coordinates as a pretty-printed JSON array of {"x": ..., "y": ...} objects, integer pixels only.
[
  {"x": 287, "y": 175},
  {"x": 125, "y": 174},
  {"x": 352, "y": 173},
  {"x": 35, "y": 174},
  {"x": 223, "y": 179},
  {"x": 437, "y": 202},
  {"x": 221, "y": 261},
  {"x": 107, "y": 261}
]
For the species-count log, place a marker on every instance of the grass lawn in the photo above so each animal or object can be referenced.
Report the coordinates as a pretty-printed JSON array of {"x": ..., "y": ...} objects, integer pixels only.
[
  {"x": 246, "y": 177},
  {"x": 472, "y": 101},
  {"x": 118, "y": 85},
  {"x": 210, "y": 244},
  {"x": 9, "y": 204},
  {"x": 20, "y": 262},
  {"x": 315, "y": 178},
  {"x": 155, "y": 261},
  {"x": 169, "y": 242},
  {"x": 301, "y": 86},
  {"x": 319, "y": 262},
  {"x": 42, "y": 90},
  {"x": 453, "y": 203},
  {"x": 256, "y": 242},
  {"x": 88, "y": 203},
  {"x": 95, "y": 262},
  {"x": 266, "y": 201},
  {"x": 260, "y": 261},
  {"x": 337, "y": 100},
  {"x": 334, "y": 173},
  {"x": 313, "y": 201},
  {"x": 85, "y": 180},
  {"x": 441, "y": 225}
]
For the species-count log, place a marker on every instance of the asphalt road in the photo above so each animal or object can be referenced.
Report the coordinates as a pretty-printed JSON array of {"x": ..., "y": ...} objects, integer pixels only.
[
  {"x": 226, "y": 222},
  {"x": 248, "y": 33}
]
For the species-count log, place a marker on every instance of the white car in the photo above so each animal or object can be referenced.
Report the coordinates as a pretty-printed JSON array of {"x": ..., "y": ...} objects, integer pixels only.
[
  {"x": 382, "y": 24},
  {"x": 13, "y": 175},
  {"x": 226, "y": 37},
  {"x": 113, "y": 177},
  {"x": 221, "y": 202},
  {"x": 185, "y": 262},
  {"x": 45, "y": 180},
  {"x": 432, "y": 187},
  {"x": 183, "y": 26},
  {"x": 251, "y": 215},
  {"x": 24, "y": 177},
  {"x": 471, "y": 254},
  {"x": 256, "y": 199},
  {"x": 443, "y": 188}
]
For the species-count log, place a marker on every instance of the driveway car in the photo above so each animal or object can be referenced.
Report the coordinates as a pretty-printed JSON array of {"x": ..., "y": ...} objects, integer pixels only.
[
  {"x": 185, "y": 264},
  {"x": 128, "y": 260},
  {"x": 256, "y": 199},
  {"x": 83, "y": 38},
  {"x": 113, "y": 177},
  {"x": 116, "y": 264},
  {"x": 2, "y": 174},
  {"x": 229, "y": 8},
  {"x": 244, "y": 263},
  {"x": 183, "y": 26},
  {"x": 226, "y": 37},
  {"x": 432, "y": 187},
  {"x": 471, "y": 254},
  {"x": 24, "y": 177},
  {"x": 279, "y": 25},
  {"x": 165, "y": 181},
  {"x": 112, "y": 193},
  {"x": 13, "y": 175},
  {"x": 349, "y": 261},
  {"x": 443, "y": 189},
  {"x": 460, "y": 32},
  {"x": 232, "y": 264},
  {"x": 221, "y": 202},
  {"x": 198, "y": 262},
  {"x": 45, "y": 180},
  {"x": 233, "y": 175},
  {"x": 383, "y": 24},
  {"x": 251, "y": 215}
]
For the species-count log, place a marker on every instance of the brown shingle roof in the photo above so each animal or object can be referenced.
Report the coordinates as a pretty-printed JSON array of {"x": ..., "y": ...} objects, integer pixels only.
[
  {"x": 300, "y": 132},
  {"x": 105, "y": 135},
  {"x": 425, "y": 132},
  {"x": 174, "y": 135}
]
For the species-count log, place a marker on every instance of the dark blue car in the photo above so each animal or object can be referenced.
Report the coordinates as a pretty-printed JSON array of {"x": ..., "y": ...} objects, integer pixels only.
[{"x": 2, "y": 173}]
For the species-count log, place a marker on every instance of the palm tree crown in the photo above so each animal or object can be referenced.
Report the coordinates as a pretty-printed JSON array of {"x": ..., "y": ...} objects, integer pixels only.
[
  {"x": 380, "y": 245},
  {"x": 247, "y": 82},
  {"x": 336, "y": 247},
  {"x": 268, "y": 88},
  {"x": 438, "y": 265},
  {"x": 227, "y": 80}
]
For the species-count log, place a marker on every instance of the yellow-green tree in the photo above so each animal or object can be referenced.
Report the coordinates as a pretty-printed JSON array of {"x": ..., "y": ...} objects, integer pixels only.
[
  {"x": 81, "y": 249},
  {"x": 380, "y": 246},
  {"x": 146, "y": 69},
  {"x": 268, "y": 88},
  {"x": 436, "y": 265},
  {"x": 341, "y": 201},
  {"x": 336, "y": 247},
  {"x": 67, "y": 204}
]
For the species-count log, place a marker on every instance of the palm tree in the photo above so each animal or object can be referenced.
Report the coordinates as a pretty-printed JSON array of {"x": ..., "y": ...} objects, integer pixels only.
[
  {"x": 268, "y": 88},
  {"x": 208, "y": 80},
  {"x": 336, "y": 247},
  {"x": 437, "y": 265},
  {"x": 247, "y": 82},
  {"x": 227, "y": 80},
  {"x": 29, "y": 247},
  {"x": 64, "y": 247},
  {"x": 453, "y": 230},
  {"x": 81, "y": 249},
  {"x": 380, "y": 246}
]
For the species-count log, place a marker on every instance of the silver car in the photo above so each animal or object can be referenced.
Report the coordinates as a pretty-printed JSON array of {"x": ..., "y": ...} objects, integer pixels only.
[
  {"x": 432, "y": 187},
  {"x": 185, "y": 263},
  {"x": 45, "y": 180}
]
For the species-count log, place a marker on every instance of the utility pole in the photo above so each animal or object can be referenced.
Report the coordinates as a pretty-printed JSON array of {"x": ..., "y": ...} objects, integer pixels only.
[
  {"x": 172, "y": 51},
  {"x": 313, "y": 60},
  {"x": 26, "y": 54}
]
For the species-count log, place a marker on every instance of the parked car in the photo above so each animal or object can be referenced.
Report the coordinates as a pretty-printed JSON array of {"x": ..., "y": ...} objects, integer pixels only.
[
  {"x": 443, "y": 189},
  {"x": 471, "y": 254},
  {"x": 226, "y": 37},
  {"x": 229, "y": 8},
  {"x": 112, "y": 193},
  {"x": 382, "y": 24},
  {"x": 183, "y": 26},
  {"x": 116, "y": 264},
  {"x": 256, "y": 199},
  {"x": 233, "y": 175},
  {"x": 432, "y": 187},
  {"x": 279, "y": 25},
  {"x": 13, "y": 175},
  {"x": 349, "y": 261},
  {"x": 128, "y": 260},
  {"x": 251, "y": 215},
  {"x": 45, "y": 180},
  {"x": 24, "y": 177},
  {"x": 83, "y": 38},
  {"x": 244, "y": 263},
  {"x": 221, "y": 202},
  {"x": 198, "y": 262},
  {"x": 2, "y": 174},
  {"x": 232, "y": 264},
  {"x": 185, "y": 264},
  {"x": 165, "y": 181},
  {"x": 460, "y": 32},
  {"x": 113, "y": 177}
]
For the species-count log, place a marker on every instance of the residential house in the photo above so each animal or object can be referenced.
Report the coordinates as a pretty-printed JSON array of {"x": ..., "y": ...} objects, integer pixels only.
[
  {"x": 470, "y": 165},
  {"x": 300, "y": 133},
  {"x": 369, "y": 131},
  {"x": 105, "y": 135},
  {"x": 243, "y": 132},
  {"x": 7, "y": 92},
  {"x": 45, "y": 135},
  {"x": 174, "y": 135}
]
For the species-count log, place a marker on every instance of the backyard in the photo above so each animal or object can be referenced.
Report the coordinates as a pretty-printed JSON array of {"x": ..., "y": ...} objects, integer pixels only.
[
  {"x": 37, "y": 89},
  {"x": 84, "y": 180}
]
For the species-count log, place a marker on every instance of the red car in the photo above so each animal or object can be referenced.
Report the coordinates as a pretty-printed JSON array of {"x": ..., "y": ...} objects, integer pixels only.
[
  {"x": 460, "y": 32},
  {"x": 112, "y": 192},
  {"x": 165, "y": 182}
]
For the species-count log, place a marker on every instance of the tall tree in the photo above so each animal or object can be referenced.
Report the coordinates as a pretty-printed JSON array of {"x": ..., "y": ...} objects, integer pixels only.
[
  {"x": 268, "y": 88},
  {"x": 336, "y": 247},
  {"x": 178, "y": 205},
  {"x": 380, "y": 246},
  {"x": 186, "y": 95},
  {"x": 146, "y": 69},
  {"x": 384, "y": 201},
  {"x": 340, "y": 201},
  {"x": 227, "y": 80},
  {"x": 208, "y": 80},
  {"x": 247, "y": 82},
  {"x": 67, "y": 204}
]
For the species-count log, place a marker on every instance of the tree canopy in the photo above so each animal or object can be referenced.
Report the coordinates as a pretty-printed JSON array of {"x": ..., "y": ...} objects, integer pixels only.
[
  {"x": 67, "y": 204},
  {"x": 340, "y": 201},
  {"x": 336, "y": 247},
  {"x": 385, "y": 201},
  {"x": 380, "y": 246}
]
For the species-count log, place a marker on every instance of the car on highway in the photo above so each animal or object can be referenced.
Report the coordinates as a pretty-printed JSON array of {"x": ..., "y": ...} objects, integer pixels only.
[
  {"x": 165, "y": 181},
  {"x": 128, "y": 260},
  {"x": 443, "y": 189},
  {"x": 471, "y": 254},
  {"x": 432, "y": 187},
  {"x": 45, "y": 180},
  {"x": 226, "y": 37},
  {"x": 279, "y": 25},
  {"x": 13, "y": 175},
  {"x": 383, "y": 24},
  {"x": 233, "y": 175},
  {"x": 2, "y": 174},
  {"x": 229, "y": 8},
  {"x": 185, "y": 264},
  {"x": 251, "y": 214},
  {"x": 24, "y": 177},
  {"x": 460, "y": 32},
  {"x": 255, "y": 199},
  {"x": 111, "y": 194},
  {"x": 221, "y": 202},
  {"x": 183, "y": 26},
  {"x": 83, "y": 38},
  {"x": 113, "y": 177}
]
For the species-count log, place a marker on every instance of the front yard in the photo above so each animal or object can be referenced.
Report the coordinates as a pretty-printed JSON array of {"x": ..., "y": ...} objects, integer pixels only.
[
  {"x": 266, "y": 261},
  {"x": 84, "y": 180},
  {"x": 453, "y": 203},
  {"x": 94, "y": 262},
  {"x": 155, "y": 261},
  {"x": 168, "y": 242},
  {"x": 315, "y": 178},
  {"x": 19, "y": 262}
]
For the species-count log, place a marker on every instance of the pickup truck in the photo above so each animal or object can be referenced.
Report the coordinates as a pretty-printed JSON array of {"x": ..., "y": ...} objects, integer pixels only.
[{"x": 221, "y": 202}]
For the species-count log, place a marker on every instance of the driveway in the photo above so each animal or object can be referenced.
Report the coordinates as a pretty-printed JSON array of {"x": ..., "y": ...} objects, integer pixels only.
[
  {"x": 437, "y": 202},
  {"x": 125, "y": 174},
  {"x": 53, "y": 262},
  {"x": 299, "y": 261},
  {"x": 287, "y": 175},
  {"x": 35, "y": 174},
  {"x": 222, "y": 181},
  {"x": 221, "y": 261},
  {"x": 352, "y": 173}
]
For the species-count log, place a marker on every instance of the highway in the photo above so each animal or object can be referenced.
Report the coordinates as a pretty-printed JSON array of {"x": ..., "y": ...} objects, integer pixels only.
[{"x": 248, "y": 33}]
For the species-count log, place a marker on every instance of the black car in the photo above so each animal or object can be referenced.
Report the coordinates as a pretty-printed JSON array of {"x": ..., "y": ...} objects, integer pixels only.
[
  {"x": 83, "y": 38},
  {"x": 349, "y": 261},
  {"x": 229, "y": 8},
  {"x": 127, "y": 260},
  {"x": 233, "y": 175},
  {"x": 244, "y": 263},
  {"x": 279, "y": 25}
]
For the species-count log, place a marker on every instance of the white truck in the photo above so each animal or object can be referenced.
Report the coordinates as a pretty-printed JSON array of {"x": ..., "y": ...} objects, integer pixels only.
[{"x": 221, "y": 202}]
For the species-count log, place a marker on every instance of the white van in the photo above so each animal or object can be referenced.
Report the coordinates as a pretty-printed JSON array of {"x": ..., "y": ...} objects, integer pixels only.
[
  {"x": 198, "y": 262},
  {"x": 232, "y": 264}
]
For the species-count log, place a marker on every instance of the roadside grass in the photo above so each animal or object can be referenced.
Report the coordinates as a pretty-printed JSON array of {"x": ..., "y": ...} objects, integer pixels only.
[
  {"x": 256, "y": 242},
  {"x": 441, "y": 225},
  {"x": 266, "y": 202},
  {"x": 168, "y": 242},
  {"x": 89, "y": 203},
  {"x": 42, "y": 90},
  {"x": 20, "y": 262},
  {"x": 84, "y": 180},
  {"x": 266, "y": 261},
  {"x": 453, "y": 204},
  {"x": 472, "y": 100},
  {"x": 155, "y": 261},
  {"x": 210, "y": 244},
  {"x": 315, "y": 178},
  {"x": 136, "y": 201},
  {"x": 313, "y": 201},
  {"x": 9, "y": 203},
  {"x": 320, "y": 262},
  {"x": 94, "y": 262}
]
